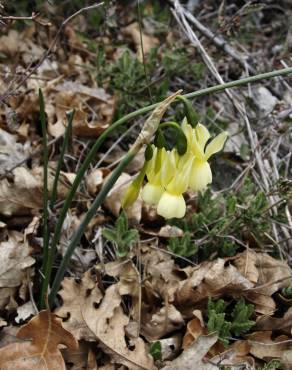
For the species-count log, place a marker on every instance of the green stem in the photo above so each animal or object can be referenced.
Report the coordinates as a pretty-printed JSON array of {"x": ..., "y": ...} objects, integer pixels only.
[
  {"x": 89, "y": 215},
  {"x": 46, "y": 235},
  {"x": 67, "y": 134}
]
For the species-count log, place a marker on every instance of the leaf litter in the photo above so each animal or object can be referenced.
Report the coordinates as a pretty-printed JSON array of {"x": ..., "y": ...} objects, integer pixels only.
[{"x": 113, "y": 309}]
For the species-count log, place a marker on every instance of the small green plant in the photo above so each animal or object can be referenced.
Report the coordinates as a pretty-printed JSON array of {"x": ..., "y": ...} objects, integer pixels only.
[
  {"x": 155, "y": 350},
  {"x": 183, "y": 246},
  {"x": 121, "y": 236},
  {"x": 273, "y": 365},
  {"x": 236, "y": 323}
]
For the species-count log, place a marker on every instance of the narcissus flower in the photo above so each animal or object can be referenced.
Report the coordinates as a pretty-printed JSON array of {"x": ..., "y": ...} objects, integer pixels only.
[
  {"x": 172, "y": 203},
  {"x": 169, "y": 174},
  {"x": 197, "y": 138},
  {"x": 159, "y": 171}
]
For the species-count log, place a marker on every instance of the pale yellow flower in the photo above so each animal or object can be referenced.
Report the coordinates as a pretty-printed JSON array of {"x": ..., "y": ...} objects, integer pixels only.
[
  {"x": 153, "y": 190},
  {"x": 172, "y": 203},
  {"x": 201, "y": 174}
]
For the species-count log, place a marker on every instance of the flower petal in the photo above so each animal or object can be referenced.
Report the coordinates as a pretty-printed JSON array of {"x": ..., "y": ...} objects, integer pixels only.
[
  {"x": 201, "y": 176},
  {"x": 216, "y": 145},
  {"x": 202, "y": 134},
  {"x": 152, "y": 193},
  {"x": 170, "y": 206}
]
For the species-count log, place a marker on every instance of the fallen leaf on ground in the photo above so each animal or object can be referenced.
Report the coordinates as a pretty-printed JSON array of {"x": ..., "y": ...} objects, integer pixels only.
[
  {"x": 265, "y": 348},
  {"x": 41, "y": 352},
  {"x": 107, "y": 321},
  {"x": 283, "y": 324},
  {"x": 11, "y": 152},
  {"x": 76, "y": 295},
  {"x": 194, "y": 356},
  {"x": 160, "y": 323},
  {"x": 14, "y": 266},
  {"x": 25, "y": 191}
]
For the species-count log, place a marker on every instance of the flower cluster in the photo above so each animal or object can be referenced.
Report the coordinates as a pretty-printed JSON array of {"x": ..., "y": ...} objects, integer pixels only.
[{"x": 169, "y": 175}]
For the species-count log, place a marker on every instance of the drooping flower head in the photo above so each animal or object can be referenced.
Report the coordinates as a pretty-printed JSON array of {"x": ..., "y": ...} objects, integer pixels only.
[{"x": 169, "y": 174}]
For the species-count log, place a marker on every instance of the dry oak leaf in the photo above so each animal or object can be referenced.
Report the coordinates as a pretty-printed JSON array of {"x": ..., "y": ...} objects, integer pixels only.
[
  {"x": 107, "y": 321},
  {"x": 41, "y": 352},
  {"x": 75, "y": 295},
  {"x": 194, "y": 356}
]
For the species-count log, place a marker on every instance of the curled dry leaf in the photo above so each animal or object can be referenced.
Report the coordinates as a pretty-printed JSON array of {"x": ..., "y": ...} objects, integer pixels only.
[
  {"x": 195, "y": 328},
  {"x": 41, "y": 352},
  {"x": 25, "y": 191},
  {"x": 194, "y": 356}
]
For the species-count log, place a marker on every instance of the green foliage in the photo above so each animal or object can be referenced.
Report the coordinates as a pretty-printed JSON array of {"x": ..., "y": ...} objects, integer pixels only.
[
  {"x": 273, "y": 365},
  {"x": 155, "y": 350},
  {"x": 121, "y": 236},
  {"x": 183, "y": 246},
  {"x": 227, "y": 324},
  {"x": 228, "y": 219},
  {"x": 287, "y": 291}
]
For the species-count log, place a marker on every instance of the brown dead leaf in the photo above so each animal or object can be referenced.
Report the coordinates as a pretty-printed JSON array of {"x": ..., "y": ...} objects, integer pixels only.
[
  {"x": 195, "y": 328},
  {"x": 14, "y": 267},
  {"x": 129, "y": 283},
  {"x": 264, "y": 270},
  {"x": 114, "y": 199},
  {"x": 283, "y": 324},
  {"x": 210, "y": 279},
  {"x": 164, "y": 321},
  {"x": 170, "y": 347},
  {"x": 194, "y": 356},
  {"x": 263, "y": 347},
  {"x": 27, "y": 310},
  {"x": 107, "y": 321},
  {"x": 149, "y": 42},
  {"x": 41, "y": 352},
  {"x": 94, "y": 110},
  {"x": 76, "y": 295},
  {"x": 95, "y": 179},
  {"x": 25, "y": 191},
  {"x": 11, "y": 152}
]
